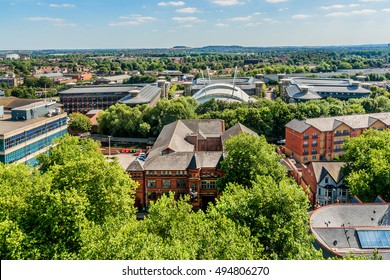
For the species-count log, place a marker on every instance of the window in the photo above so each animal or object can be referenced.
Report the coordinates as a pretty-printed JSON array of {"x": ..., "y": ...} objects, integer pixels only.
[
  {"x": 151, "y": 183},
  {"x": 314, "y": 157},
  {"x": 166, "y": 183},
  {"x": 319, "y": 191},
  {"x": 326, "y": 180},
  {"x": 315, "y": 135},
  {"x": 181, "y": 183},
  {"x": 344, "y": 192},
  {"x": 305, "y": 144},
  {"x": 305, "y": 136},
  {"x": 208, "y": 185},
  {"x": 314, "y": 143}
]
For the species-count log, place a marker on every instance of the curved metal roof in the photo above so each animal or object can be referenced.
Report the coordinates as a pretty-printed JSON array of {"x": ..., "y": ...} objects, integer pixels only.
[{"x": 225, "y": 92}]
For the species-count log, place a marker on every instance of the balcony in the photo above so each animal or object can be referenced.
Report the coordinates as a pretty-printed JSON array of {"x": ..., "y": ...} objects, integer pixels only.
[
  {"x": 314, "y": 144},
  {"x": 305, "y": 153},
  {"x": 314, "y": 152},
  {"x": 305, "y": 137},
  {"x": 338, "y": 150},
  {"x": 315, "y": 136},
  {"x": 305, "y": 145},
  {"x": 339, "y": 142}
]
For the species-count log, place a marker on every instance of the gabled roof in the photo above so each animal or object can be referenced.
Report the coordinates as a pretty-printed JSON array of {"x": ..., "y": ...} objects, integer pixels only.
[
  {"x": 235, "y": 130},
  {"x": 297, "y": 125},
  {"x": 333, "y": 168},
  {"x": 135, "y": 165}
]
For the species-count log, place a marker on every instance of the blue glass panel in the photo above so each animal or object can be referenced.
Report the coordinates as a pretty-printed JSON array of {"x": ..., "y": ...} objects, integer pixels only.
[{"x": 374, "y": 238}]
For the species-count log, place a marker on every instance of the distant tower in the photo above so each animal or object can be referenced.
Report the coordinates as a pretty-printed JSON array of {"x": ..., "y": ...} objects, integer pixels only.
[
  {"x": 259, "y": 88},
  {"x": 161, "y": 84},
  {"x": 187, "y": 88}
]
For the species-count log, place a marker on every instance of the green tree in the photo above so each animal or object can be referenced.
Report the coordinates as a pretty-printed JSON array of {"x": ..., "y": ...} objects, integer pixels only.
[
  {"x": 79, "y": 123},
  {"x": 275, "y": 213},
  {"x": 367, "y": 159},
  {"x": 249, "y": 156}
]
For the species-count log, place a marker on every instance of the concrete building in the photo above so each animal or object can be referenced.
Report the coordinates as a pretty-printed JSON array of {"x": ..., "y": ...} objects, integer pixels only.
[
  {"x": 118, "y": 79},
  {"x": 12, "y": 56},
  {"x": 29, "y": 131},
  {"x": 86, "y": 98},
  {"x": 320, "y": 139},
  {"x": 357, "y": 228},
  {"x": 301, "y": 89},
  {"x": 11, "y": 80},
  {"x": 185, "y": 159}
]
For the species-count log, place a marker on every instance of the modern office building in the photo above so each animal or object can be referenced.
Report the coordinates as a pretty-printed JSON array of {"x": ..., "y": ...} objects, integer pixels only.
[
  {"x": 355, "y": 228},
  {"x": 29, "y": 130},
  {"x": 185, "y": 159},
  {"x": 85, "y": 98},
  {"x": 301, "y": 89},
  {"x": 320, "y": 139}
]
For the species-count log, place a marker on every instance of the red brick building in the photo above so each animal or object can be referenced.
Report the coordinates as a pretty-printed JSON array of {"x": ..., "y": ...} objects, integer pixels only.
[
  {"x": 185, "y": 159},
  {"x": 322, "y": 138}
]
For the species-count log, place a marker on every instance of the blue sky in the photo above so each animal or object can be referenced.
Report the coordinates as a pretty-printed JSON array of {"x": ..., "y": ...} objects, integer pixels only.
[{"x": 71, "y": 24}]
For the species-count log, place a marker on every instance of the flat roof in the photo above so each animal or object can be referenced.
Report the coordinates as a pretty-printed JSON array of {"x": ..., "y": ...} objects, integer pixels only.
[
  {"x": 7, "y": 125},
  {"x": 34, "y": 105},
  {"x": 100, "y": 89}
]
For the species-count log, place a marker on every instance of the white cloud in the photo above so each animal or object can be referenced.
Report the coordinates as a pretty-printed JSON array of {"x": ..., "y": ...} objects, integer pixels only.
[
  {"x": 247, "y": 18},
  {"x": 49, "y": 19},
  {"x": 352, "y": 13},
  {"x": 221, "y": 25},
  {"x": 338, "y": 14},
  {"x": 299, "y": 16},
  {"x": 132, "y": 20},
  {"x": 339, "y": 6},
  {"x": 171, "y": 3},
  {"x": 227, "y": 2},
  {"x": 186, "y": 26},
  {"x": 189, "y": 10},
  {"x": 282, "y": 9},
  {"x": 386, "y": 10},
  {"x": 275, "y": 1},
  {"x": 363, "y": 12},
  {"x": 186, "y": 19},
  {"x": 62, "y": 5}
]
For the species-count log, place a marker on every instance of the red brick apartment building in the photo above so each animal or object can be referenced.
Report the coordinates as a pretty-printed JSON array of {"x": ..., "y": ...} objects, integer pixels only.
[
  {"x": 185, "y": 159},
  {"x": 322, "y": 138}
]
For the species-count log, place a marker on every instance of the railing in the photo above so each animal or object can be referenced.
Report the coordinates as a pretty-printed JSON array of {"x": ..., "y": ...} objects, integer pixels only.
[
  {"x": 305, "y": 136},
  {"x": 339, "y": 142},
  {"x": 315, "y": 136},
  {"x": 314, "y": 144},
  {"x": 305, "y": 145},
  {"x": 314, "y": 152}
]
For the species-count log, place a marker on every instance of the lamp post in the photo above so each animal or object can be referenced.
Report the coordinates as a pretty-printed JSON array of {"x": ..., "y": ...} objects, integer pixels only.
[{"x": 109, "y": 146}]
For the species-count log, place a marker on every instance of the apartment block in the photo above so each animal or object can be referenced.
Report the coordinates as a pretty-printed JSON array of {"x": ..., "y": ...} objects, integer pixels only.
[{"x": 320, "y": 139}]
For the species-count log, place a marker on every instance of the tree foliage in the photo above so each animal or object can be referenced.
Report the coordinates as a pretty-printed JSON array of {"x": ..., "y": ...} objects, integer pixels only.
[
  {"x": 249, "y": 156},
  {"x": 79, "y": 123},
  {"x": 367, "y": 169}
]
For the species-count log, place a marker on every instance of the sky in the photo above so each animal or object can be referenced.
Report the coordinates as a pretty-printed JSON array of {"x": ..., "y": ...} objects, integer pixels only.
[{"x": 95, "y": 24}]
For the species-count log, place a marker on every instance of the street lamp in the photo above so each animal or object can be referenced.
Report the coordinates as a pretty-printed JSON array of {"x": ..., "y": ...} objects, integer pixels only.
[{"x": 109, "y": 146}]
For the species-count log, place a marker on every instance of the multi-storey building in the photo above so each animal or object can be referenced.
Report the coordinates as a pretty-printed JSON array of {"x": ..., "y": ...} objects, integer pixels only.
[
  {"x": 86, "y": 98},
  {"x": 322, "y": 138},
  {"x": 29, "y": 131},
  {"x": 185, "y": 159}
]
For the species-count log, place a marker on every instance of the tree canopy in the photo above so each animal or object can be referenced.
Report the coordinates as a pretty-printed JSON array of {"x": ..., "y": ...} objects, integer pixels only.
[{"x": 367, "y": 159}]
